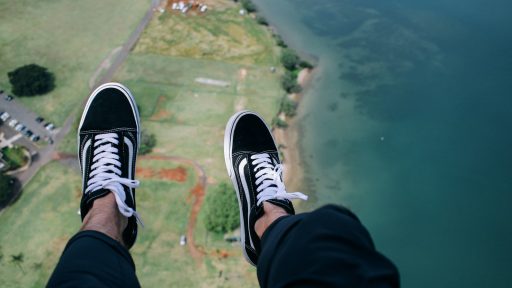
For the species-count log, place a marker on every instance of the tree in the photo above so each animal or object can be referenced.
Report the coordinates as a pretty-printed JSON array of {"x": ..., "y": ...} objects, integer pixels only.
[
  {"x": 305, "y": 64},
  {"x": 248, "y": 5},
  {"x": 279, "y": 40},
  {"x": 147, "y": 142},
  {"x": 30, "y": 80},
  {"x": 6, "y": 185},
  {"x": 288, "y": 106},
  {"x": 221, "y": 209},
  {"x": 289, "y": 59},
  {"x": 261, "y": 20},
  {"x": 18, "y": 260},
  {"x": 289, "y": 83}
]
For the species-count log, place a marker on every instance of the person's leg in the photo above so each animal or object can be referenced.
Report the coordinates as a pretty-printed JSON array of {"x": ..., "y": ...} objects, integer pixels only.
[
  {"x": 95, "y": 256},
  {"x": 108, "y": 137},
  {"x": 328, "y": 247}
]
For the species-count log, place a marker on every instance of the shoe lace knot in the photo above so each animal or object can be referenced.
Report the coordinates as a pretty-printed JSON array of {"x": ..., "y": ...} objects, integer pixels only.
[
  {"x": 269, "y": 180},
  {"x": 106, "y": 172}
]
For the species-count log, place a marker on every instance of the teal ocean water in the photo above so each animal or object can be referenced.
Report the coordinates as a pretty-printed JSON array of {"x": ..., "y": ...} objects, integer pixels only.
[{"x": 408, "y": 121}]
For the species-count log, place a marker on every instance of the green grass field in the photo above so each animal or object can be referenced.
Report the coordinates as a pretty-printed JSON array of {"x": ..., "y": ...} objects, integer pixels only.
[
  {"x": 39, "y": 225},
  {"x": 70, "y": 38},
  {"x": 188, "y": 119},
  {"x": 45, "y": 217}
]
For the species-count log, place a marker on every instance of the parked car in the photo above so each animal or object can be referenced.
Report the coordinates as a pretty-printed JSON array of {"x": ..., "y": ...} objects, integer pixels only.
[
  {"x": 35, "y": 138},
  {"x": 4, "y": 116},
  {"x": 49, "y": 126},
  {"x": 1, "y": 91},
  {"x": 13, "y": 122},
  {"x": 19, "y": 127},
  {"x": 9, "y": 97},
  {"x": 39, "y": 119},
  {"x": 28, "y": 133}
]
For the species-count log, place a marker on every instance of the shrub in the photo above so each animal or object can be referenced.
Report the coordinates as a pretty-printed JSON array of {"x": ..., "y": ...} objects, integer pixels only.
[
  {"x": 221, "y": 209},
  {"x": 30, "y": 80},
  {"x": 279, "y": 41},
  {"x": 278, "y": 122},
  {"x": 289, "y": 59},
  {"x": 248, "y": 5},
  {"x": 147, "y": 142},
  {"x": 305, "y": 64},
  {"x": 261, "y": 20},
  {"x": 14, "y": 157},
  {"x": 289, "y": 83},
  {"x": 6, "y": 184},
  {"x": 288, "y": 106}
]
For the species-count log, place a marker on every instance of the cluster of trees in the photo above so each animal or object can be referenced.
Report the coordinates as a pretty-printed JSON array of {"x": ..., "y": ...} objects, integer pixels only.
[
  {"x": 221, "y": 209},
  {"x": 31, "y": 80},
  {"x": 292, "y": 63}
]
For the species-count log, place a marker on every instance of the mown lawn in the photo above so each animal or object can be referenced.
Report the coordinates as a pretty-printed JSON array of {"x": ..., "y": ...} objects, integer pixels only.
[
  {"x": 38, "y": 225},
  {"x": 188, "y": 118},
  {"x": 70, "y": 38}
]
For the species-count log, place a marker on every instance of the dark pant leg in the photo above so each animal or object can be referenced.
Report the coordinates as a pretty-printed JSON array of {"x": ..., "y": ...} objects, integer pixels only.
[
  {"x": 325, "y": 248},
  {"x": 92, "y": 259}
]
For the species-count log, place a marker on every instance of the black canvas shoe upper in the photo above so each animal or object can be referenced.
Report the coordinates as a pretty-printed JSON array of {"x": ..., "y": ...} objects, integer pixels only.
[
  {"x": 108, "y": 138},
  {"x": 253, "y": 164}
]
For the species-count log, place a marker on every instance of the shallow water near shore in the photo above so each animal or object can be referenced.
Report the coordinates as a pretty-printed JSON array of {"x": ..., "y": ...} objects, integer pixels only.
[{"x": 408, "y": 122}]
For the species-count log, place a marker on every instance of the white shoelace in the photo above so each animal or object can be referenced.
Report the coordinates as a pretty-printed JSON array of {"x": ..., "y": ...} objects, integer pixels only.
[
  {"x": 269, "y": 180},
  {"x": 105, "y": 173}
]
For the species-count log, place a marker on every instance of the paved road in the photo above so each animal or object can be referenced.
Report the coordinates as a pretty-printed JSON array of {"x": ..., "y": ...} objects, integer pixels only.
[
  {"x": 129, "y": 44},
  {"x": 46, "y": 153}
]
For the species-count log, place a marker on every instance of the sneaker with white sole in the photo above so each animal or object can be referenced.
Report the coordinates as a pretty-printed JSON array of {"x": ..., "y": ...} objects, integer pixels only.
[
  {"x": 253, "y": 164},
  {"x": 108, "y": 141}
]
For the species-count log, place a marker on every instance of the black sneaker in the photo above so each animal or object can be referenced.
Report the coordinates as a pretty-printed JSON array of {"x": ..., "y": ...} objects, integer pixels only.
[
  {"x": 108, "y": 141},
  {"x": 254, "y": 167}
]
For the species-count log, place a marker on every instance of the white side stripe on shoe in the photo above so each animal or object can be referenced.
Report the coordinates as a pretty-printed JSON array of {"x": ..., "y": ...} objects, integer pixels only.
[{"x": 241, "y": 172}]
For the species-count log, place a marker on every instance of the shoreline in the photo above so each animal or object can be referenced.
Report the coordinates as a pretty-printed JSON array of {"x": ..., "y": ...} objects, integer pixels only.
[{"x": 288, "y": 138}]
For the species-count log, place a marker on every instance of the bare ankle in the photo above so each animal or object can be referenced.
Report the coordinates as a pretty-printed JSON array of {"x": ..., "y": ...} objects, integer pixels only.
[
  {"x": 271, "y": 214},
  {"x": 105, "y": 217}
]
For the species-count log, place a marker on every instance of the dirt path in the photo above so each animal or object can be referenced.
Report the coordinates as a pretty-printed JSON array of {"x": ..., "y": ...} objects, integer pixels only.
[{"x": 197, "y": 192}]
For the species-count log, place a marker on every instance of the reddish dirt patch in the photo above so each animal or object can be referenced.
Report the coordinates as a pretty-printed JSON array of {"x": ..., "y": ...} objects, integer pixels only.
[
  {"x": 198, "y": 193},
  {"x": 160, "y": 113},
  {"x": 178, "y": 174},
  {"x": 221, "y": 254}
]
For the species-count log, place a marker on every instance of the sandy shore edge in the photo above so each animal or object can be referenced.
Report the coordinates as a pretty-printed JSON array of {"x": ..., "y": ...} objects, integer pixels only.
[{"x": 288, "y": 139}]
